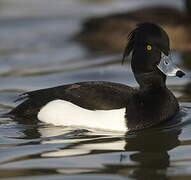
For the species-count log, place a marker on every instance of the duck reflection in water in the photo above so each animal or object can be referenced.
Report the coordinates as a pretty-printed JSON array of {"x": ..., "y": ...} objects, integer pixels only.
[
  {"x": 141, "y": 155},
  {"x": 150, "y": 154}
]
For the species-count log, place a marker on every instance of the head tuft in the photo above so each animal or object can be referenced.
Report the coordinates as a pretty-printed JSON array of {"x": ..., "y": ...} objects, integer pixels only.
[
  {"x": 146, "y": 33},
  {"x": 129, "y": 46}
]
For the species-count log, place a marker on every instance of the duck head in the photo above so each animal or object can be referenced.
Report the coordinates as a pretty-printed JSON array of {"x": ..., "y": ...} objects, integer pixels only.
[{"x": 151, "y": 58}]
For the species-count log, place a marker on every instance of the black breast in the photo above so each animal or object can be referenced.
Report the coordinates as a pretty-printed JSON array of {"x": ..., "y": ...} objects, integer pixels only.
[{"x": 148, "y": 108}]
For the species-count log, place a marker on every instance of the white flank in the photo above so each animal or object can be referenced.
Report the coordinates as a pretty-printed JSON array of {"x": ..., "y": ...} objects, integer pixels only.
[{"x": 64, "y": 113}]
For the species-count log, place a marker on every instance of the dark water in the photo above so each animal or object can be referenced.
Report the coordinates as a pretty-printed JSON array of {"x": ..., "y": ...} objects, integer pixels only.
[{"x": 37, "y": 51}]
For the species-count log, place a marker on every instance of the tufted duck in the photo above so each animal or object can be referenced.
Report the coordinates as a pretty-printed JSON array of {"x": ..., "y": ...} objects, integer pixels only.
[{"x": 113, "y": 106}]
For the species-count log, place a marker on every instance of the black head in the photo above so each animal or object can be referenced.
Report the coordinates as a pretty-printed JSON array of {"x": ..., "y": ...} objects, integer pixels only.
[
  {"x": 149, "y": 45},
  {"x": 146, "y": 42}
]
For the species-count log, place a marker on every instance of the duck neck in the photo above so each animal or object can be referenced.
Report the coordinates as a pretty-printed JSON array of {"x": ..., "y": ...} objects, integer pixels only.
[
  {"x": 145, "y": 70},
  {"x": 151, "y": 81}
]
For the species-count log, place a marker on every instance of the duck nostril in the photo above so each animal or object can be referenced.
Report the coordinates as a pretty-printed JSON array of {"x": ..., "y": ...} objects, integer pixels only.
[
  {"x": 166, "y": 63},
  {"x": 180, "y": 74}
]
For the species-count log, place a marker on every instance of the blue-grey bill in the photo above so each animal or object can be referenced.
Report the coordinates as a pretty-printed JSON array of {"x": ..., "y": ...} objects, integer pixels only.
[{"x": 168, "y": 67}]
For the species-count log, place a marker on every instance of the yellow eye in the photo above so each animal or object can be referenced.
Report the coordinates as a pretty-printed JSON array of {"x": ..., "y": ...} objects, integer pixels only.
[{"x": 149, "y": 47}]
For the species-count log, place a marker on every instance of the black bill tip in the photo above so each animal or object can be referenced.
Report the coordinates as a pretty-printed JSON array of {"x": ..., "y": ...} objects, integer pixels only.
[{"x": 180, "y": 74}]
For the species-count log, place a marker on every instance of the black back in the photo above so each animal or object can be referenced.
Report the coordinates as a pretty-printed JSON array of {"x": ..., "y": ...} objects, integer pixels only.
[{"x": 98, "y": 95}]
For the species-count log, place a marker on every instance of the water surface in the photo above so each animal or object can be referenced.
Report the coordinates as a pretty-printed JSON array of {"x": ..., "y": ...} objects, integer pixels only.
[{"x": 37, "y": 51}]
